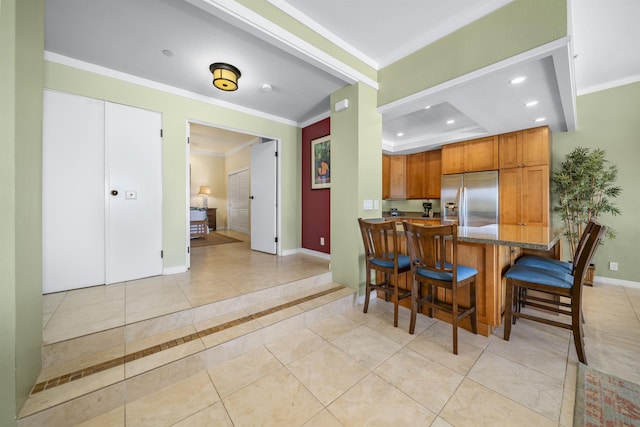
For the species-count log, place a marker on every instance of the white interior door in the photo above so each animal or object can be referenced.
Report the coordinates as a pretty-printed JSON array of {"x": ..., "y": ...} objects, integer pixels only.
[
  {"x": 264, "y": 197},
  {"x": 73, "y": 214},
  {"x": 238, "y": 197},
  {"x": 134, "y": 192}
]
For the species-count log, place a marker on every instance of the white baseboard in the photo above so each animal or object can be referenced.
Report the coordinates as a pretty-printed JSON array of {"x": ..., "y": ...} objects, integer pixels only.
[
  {"x": 616, "y": 282},
  {"x": 174, "y": 270},
  {"x": 307, "y": 252},
  {"x": 315, "y": 253}
]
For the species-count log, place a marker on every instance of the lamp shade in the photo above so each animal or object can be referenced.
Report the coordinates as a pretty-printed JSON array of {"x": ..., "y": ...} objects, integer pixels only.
[
  {"x": 225, "y": 76},
  {"x": 205, "y": 190}
]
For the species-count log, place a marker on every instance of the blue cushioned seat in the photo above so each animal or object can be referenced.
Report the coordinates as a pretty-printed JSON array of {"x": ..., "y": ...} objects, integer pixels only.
[
  {"x": 382, "y": 251},
  {"x": 553, "y": 291},
  {"x": 431, "y": 248},
  {"x": 403, "y": 262},
  {"x": 538, "y": 275},
  {"x": 464, "y": 273},
  {"x": 546, "y": 263}
]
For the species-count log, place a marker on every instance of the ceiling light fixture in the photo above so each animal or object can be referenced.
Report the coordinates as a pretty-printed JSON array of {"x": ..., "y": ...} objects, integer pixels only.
[
  {"x": 399, "y": 134},
  {"x": 450, "y": 122},
  {"x": 266, "y": 87},
  {"x": 540, "y": 119},
  {"x": 225, "y": 76},
  {"x": 427, "y": 107},
  {"x": 531, "y": 103},
  {"x": 518, "y": 80}
]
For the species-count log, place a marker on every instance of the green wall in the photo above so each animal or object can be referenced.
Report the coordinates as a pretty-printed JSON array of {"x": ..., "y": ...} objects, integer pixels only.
[
  {"x": 356, "y": 175},
  {"x": 176, "y": 111},
  {"x": 609, "y": 119},
  {"x": 21, "y": 47},
  {"x": 513, "y": 29}
]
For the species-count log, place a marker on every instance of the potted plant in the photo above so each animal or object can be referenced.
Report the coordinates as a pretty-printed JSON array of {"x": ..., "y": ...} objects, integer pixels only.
[{"x": 584, "y": 185}]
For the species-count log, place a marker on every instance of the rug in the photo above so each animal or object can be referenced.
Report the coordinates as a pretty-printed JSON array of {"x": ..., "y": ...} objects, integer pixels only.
[
  {"x": 605, "y": 400},
  {"x": 213, "y": 238}
]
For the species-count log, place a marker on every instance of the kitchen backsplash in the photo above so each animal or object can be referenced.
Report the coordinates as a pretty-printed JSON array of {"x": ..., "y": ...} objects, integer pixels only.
[{"x": 409, "y": 205}]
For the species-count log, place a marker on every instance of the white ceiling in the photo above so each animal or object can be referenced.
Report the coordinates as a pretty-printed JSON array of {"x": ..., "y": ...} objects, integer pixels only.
[{"x": 126, "y": 39}]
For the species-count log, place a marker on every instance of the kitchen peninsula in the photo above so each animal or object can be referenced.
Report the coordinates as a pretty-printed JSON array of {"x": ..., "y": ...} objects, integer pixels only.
[
  {"x": 491, "y": 249},
  {"x": 500, "y": 180}
]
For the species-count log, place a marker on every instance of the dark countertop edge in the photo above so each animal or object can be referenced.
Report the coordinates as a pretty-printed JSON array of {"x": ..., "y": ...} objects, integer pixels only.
[
  {"x": 523, "y": 245},
  {"x": 557, "y": 235}
]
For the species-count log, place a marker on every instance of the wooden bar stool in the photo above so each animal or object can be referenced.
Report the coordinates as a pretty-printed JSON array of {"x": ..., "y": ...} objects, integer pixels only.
[
  {"x": 552, "y": 284},
  {"x": 433, "y": 251},
  {"x": 382, "y": 255}
]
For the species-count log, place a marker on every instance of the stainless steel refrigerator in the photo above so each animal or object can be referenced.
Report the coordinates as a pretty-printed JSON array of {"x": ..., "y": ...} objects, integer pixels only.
[{"x": 470, "y": 199}]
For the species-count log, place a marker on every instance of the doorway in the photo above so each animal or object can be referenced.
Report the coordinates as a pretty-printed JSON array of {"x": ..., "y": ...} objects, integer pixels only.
[{"x": 221, "y": 158}]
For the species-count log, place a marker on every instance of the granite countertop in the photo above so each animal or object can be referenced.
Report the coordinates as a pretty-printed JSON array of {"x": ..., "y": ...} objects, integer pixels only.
[{"x": 528, "y": 237}]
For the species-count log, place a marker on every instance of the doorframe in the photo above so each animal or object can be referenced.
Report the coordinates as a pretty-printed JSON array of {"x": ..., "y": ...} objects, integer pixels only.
[{"x": 188, "y": 182}]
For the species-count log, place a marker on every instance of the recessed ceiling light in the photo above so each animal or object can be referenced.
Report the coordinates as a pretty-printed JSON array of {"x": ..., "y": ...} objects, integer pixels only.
[
  {"x": 517, "y": 80},
  {"x": 427, "y": 107},
  {"x": 266, "y": 87},
  {"x": 400, "y": 134},
  {"x": 450, "y": 122},
  {"x": 540, "y": 119},
  {"x": 531, "y": 103},
  {"x": 167, "y": 52}
]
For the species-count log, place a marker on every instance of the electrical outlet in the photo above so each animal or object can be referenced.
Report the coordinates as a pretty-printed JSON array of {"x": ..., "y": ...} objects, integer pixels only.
[
  {"x": 613, "y": 266},
  {"x": 322, "y": 241}
]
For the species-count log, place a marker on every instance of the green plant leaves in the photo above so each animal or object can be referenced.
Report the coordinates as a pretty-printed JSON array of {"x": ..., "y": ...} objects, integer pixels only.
[{"x": 584, "y": 185}]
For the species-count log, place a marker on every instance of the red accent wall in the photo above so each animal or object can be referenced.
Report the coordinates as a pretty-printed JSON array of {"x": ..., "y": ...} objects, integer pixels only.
[{"x": 316, "y": 221}]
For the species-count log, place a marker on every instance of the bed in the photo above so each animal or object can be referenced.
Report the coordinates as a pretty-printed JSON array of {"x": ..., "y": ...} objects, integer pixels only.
[{"x": 199, "y": 228}]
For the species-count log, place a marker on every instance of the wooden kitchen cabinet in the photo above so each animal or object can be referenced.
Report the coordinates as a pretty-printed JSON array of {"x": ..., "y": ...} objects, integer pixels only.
[
  {"x": 416, "y": 175},
  {"x": 470, "y": 156},
  {"x": 394, "y": 174},
  {"x": 386, "y": 185},
  {"x": 434, "y": 174},
  {"x": 423, "y": 175},
  {"x": 524, "y": 196},
  {"x": 529, "y": 147},
  {"x": 524, "y": 177}
]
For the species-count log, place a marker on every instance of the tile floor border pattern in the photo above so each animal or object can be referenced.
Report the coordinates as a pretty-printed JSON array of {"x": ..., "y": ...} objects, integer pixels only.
[{"x": 83, "y": 373}]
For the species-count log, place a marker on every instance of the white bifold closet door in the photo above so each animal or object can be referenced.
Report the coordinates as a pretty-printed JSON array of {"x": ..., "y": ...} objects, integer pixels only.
[
  {"x": 102, "y": 193},
  {"x": 238, "y": 201}
]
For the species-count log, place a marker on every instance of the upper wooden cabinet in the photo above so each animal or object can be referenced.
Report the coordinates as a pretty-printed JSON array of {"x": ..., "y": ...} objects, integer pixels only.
[
  {"x": 423, "y": 175},
  {"x": 524, "y": 148},
  {"x": 434, "y": 173},
  {"x": 470, "y": 156},
  {"x": 524, "y": 177},
  {"x": 386, "y": 184},
  {"x": 416, "y": 176},
  {"x": 394, "y": 173}
]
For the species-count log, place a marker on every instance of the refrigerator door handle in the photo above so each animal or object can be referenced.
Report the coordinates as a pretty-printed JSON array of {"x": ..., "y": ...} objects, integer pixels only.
[
  {"x": 465, "y": 211},
  {"x": 460, "y": 205}
]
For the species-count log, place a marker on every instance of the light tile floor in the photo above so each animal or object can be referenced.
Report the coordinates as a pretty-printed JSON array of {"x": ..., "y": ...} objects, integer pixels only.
[
  {"x": 217, "y": 273},
  {"x": 355, "y": 369}
]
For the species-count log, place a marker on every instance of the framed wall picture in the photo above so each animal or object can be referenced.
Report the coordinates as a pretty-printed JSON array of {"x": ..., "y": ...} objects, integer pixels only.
[{"x": 321, "y": 162}]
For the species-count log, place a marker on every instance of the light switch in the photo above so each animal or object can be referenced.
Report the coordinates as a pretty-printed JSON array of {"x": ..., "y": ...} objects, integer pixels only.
[
  {"x": 375, "y": 204},
  {"x": 131, "y": 195},
  {"x": 367, "y": 205}
]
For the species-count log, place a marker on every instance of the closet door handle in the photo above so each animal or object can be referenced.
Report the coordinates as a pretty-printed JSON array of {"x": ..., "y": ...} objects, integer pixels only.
[{"x": 114, "y": 192}]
